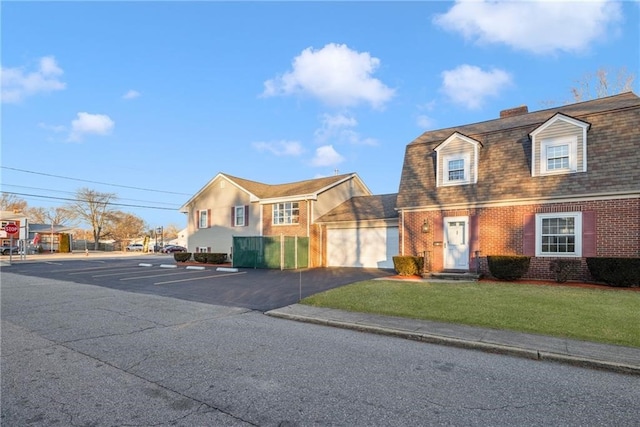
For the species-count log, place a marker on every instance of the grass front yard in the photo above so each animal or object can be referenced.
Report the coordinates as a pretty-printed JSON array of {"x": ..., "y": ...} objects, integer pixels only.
[{"x": 607, "y": 316}]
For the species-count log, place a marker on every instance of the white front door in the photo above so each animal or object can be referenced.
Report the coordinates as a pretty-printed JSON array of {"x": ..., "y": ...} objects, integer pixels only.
[{"x": 456, "y": 243}]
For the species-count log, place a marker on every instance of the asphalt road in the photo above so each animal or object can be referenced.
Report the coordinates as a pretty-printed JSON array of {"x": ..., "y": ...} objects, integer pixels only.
[
  {"x": 257, "y": 289},
  {"x": 83, "y": 355}
]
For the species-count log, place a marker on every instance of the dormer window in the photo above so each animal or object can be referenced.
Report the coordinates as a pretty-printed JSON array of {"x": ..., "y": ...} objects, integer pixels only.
[
  {"x": 456, "y": 169},
  {"x": 457, "y": 160},
  {"x": 559, "y": 146},
  {"x": 558, "y": 155}
]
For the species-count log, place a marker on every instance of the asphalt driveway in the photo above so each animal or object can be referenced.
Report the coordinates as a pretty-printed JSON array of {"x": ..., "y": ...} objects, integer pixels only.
[{"x": 256, "y": 289}]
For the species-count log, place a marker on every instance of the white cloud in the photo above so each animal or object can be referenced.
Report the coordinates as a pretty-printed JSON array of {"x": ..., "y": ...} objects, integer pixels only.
[
  {"x": 336, "y": 75},
  {"x": 85, "y": 124},
  {"x": 536, "y": 26},
  {"x": 17, "y": 85},
  {"x": 131, "y": 94},
  {"x": 339, "y": 128},
  {"x": 327, "y": 156},
  {"x": 53, "y": 128},
  {"x": 470, "y": 86},
  {"x": 424, "y": 122},
  {"x": 280, "y": 148}
]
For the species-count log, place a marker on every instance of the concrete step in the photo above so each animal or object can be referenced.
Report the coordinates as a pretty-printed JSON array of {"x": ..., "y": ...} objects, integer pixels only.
[{"x": 456, "y": 275}]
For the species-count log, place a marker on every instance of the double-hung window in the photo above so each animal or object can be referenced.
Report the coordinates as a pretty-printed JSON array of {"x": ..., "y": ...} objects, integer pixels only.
[
  {"x": 239, "y": 216},
  {"x": 559, "y": 234},
  {"x": 558, "y": 155},
  {"x": 203, "y": 220},
  {"x": 286, "y": 213},
  {"x": 456, "y": 169}
]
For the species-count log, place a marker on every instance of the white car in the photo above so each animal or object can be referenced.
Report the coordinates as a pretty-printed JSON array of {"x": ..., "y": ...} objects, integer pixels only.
[{"x": 135, "y": 247}]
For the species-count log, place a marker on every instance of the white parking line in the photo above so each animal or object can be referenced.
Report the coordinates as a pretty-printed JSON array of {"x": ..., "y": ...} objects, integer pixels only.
[
  {"x": 158, "y": 275},
  {"x": 91, "y": 270},
  {"x": 198, "y": 278},
  {"x": 120, "y": 273}
]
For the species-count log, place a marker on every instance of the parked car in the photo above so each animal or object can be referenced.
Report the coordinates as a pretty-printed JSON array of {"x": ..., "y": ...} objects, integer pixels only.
[
  {"x": 6, "y": 249},
  {"x": 135, "y": 247},
  {"x": 173, "y": 248}
]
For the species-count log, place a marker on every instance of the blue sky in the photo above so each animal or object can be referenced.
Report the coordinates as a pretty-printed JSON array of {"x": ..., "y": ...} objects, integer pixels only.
[{"x": 150, "y": 100}]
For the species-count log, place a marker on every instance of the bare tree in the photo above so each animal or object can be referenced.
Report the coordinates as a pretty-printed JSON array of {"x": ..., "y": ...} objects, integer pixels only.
[
  {"x": 602, "y": 83},
  {"x": 171, "y": 232},
  {"x": 123, "y": 226},
  {"x": 10, "y": 202},
  {"x": 54, "y": 216},
  {"x": 93, "y": 208}
]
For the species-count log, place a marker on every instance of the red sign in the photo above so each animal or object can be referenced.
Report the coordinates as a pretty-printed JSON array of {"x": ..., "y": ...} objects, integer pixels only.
[{"x": 11, "y": 228}]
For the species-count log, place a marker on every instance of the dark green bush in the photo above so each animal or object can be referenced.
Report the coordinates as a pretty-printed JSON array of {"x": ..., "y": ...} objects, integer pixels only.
[
  {"x": 564, "y": 269},
  {"x": 216, "y": 258},
  {"x": 200, "y": 257},
  {"x": 210, "y": 258},
  {"x": 408, "y": 265},
  {"x": 619, "y": 272},
  {"x": 508, "y": 267},
  {"x": 182, "y": 256}
]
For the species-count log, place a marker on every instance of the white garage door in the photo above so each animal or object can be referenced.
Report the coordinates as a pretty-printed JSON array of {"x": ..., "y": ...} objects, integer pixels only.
[{"x": 362, "y": 247}]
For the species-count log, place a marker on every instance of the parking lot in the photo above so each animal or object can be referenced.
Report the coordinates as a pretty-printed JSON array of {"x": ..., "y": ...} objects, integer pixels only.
[{"x": 256, "y": 289}]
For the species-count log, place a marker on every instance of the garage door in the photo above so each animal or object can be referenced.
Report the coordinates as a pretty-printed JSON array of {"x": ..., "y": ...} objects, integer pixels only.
[{"x": 362, "y": 247}]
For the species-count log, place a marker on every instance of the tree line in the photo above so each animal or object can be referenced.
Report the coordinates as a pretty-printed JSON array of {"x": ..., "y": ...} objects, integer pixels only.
[{"x": 93, "y": 208}]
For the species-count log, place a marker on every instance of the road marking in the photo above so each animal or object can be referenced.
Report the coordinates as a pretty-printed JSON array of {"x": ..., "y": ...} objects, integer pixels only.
[
  {"x": 158, "y": 275},
  {"x": 93, "y": 270},
  {"x": 198, "y": 278},
  {"x": 120, "y": 273}
]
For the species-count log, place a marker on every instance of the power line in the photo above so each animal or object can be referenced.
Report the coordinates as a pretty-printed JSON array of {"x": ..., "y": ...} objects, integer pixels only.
[
  {"x": 94, "y": 182},
  {"x": 76, "y": 200},
  {"x": 73, "y": 193}
]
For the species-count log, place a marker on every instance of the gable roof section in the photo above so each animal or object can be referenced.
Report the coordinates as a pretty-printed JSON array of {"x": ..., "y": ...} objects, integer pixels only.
[
  {"x": 560, "y": 117},
  {"x": 504, "y": 166},
  {"x": 268, "y": 193},
  {"x": 363, "y": 208}
]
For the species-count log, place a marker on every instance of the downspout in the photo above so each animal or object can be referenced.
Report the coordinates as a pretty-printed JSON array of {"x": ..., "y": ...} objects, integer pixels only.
[{"x": 402, "y": 228}]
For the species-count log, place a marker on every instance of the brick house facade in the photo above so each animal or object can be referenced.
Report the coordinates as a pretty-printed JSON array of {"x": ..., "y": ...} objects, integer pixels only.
[{"x": 558, "y": 183}]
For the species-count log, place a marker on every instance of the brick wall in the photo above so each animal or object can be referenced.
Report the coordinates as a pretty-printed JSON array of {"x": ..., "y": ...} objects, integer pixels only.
[{"x": 501, "y": 232}]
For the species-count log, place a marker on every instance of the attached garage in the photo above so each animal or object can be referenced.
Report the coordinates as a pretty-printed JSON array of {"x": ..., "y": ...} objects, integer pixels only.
[{"x": 365, "y": 247}]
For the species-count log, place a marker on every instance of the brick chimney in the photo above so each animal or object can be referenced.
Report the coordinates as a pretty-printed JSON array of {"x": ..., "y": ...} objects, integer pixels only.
[{"x": 514, "y": 111}]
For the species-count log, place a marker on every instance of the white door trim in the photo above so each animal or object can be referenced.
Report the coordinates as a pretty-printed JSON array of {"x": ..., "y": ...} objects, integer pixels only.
[{"x": 456, "y": 242}]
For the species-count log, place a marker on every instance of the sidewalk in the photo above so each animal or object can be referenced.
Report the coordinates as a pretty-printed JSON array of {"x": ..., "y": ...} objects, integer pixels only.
[{"x": 538, "y": 347}]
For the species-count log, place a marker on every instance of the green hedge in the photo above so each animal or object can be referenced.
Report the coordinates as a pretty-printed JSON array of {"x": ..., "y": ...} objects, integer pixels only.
[
  {"x": 408, "y": 265},
  {"x": 210, "y": 258},
  {"x": 619, "y": 272},
  {"x": 508, "y": 267},
  {"x": 182, "y": 256}
]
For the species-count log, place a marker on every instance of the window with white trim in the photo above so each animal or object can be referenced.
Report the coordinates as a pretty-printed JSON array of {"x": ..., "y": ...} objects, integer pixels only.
[
  {"x": 456, "y": 169},
  {"x": 239, "y": 216},
  {"x": 203, "y": 219},
  {"x": 558, "y": 155},
  {"x": 286, "y": 213},
  {"x": 559, "y": 234}
]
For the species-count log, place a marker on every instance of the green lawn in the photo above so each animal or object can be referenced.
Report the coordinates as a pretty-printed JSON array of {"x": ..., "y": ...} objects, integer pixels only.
[{"x": 608, "y": 316}]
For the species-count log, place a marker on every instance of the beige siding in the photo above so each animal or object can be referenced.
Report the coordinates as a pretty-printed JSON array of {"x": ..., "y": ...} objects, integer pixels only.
[
  {"x": 559, "y": 129},
  {"x": 336, "y": 195},
  {"x": 219, "y": 198},
  {"x": 453, "y": 148}
]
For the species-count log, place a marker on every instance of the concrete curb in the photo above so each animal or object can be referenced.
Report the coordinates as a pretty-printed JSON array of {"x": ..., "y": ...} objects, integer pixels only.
[{"x": 467, "y": 344}]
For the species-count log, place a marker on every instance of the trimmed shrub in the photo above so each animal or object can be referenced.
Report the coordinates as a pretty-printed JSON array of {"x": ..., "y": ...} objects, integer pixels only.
[
  {"x": 216, "y": 258},
  {"x": 564, "y": 269},
  {"x": 182, "y": 256},
  {"x": 408, "y": 265},
  {"x": 619, "y": 272},
  {"x": 200, "y": 257},
  {"x": 508, "y": 267}
]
